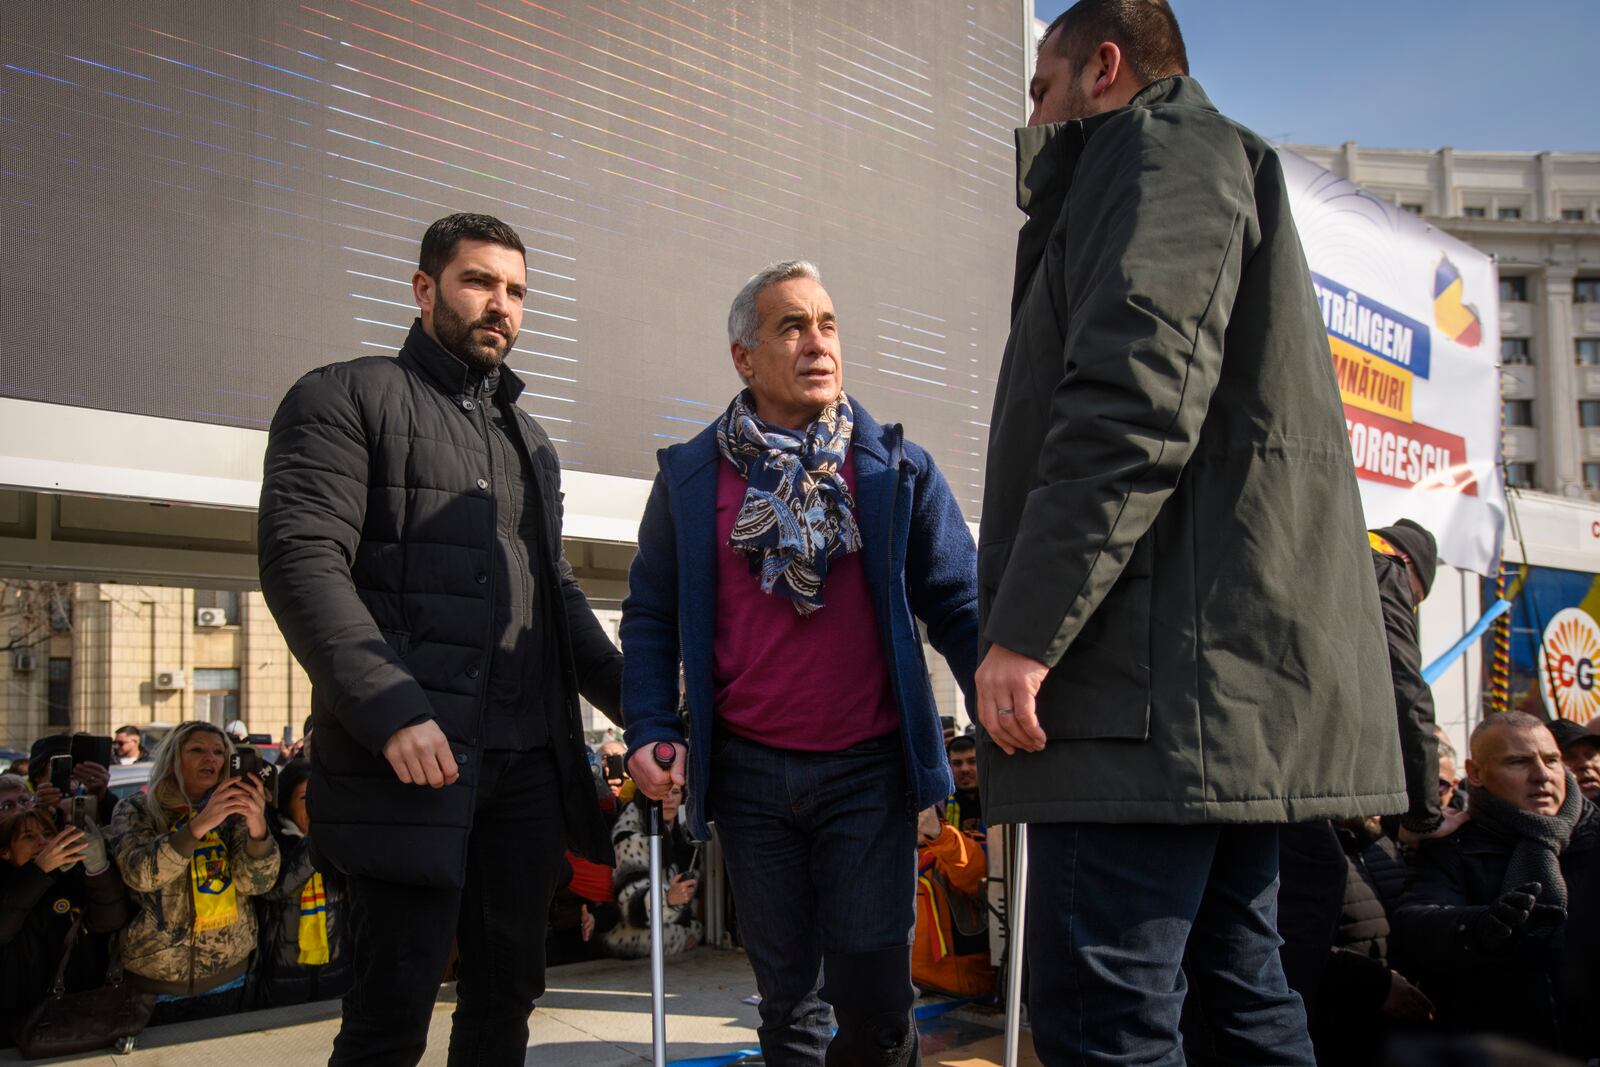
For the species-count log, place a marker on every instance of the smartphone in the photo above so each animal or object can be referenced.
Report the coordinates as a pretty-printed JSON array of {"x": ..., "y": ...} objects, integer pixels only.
[
  {"x": 88, "y": 748},
  {"x": 245, "y": 760},
  {"x": 269, "y": 781},
  {"x": 693, "y": 870},
  {"x": 61, "y": 774},
  {"x": 82, "y": 812}
]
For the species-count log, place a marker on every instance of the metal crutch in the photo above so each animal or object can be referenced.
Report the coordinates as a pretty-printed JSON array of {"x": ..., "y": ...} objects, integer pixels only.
[
  {"x": 1016, "y": 924},
  {"x": 664, "y": 754}
]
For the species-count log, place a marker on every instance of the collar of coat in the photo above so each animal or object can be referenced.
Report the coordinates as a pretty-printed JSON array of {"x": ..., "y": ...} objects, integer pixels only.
[
  {"x": 1048, "y": 155},
  {"x": 458, "y": 380},
  {"x": 1047, "y": 158}
]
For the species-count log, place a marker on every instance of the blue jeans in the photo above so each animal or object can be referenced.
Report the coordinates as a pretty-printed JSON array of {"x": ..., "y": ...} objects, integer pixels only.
[
  {"x": 1119, "y": 915},
  {"x": 822, "y": 859}
]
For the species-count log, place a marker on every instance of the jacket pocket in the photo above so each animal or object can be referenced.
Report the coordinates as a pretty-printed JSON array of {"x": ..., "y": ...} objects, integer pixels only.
[{"x": 1100, "y": 689}]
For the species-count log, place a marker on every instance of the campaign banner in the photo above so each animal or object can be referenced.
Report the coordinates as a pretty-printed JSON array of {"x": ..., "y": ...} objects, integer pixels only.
[
  {"x": 1555, "y": 643},
  {"x": 1412, "y": 316}
]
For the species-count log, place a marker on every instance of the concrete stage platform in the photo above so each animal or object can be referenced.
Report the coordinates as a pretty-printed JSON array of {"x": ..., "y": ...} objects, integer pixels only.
[{"x": 592, "y": 1015}]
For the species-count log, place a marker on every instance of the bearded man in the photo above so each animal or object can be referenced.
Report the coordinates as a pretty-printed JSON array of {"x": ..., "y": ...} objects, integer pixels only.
[{"x": 410, "y": 549}]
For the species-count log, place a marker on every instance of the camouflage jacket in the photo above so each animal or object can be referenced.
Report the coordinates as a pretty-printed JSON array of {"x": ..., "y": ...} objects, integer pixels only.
[{"x": 161, "y": 947}]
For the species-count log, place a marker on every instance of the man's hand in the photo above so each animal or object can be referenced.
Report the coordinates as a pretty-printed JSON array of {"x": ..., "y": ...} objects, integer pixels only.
[
  {"x": 929, "y": 825},
  {"x": 585, "y": 922},
  {"x": 93, "y": 777},
  {"x": 1453, "y": 820},
  {"x": 1406, "y": 1001},
  {"x": 1007, "y": 682},
  {"x": 420, "y": 755},
  {"x": 652, "y": 781},
  {"x": 1516, "y": 913}
]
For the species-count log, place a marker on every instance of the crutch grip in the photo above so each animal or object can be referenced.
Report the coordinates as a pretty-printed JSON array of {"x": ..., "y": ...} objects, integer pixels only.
[{"x": 665, "y": 753}]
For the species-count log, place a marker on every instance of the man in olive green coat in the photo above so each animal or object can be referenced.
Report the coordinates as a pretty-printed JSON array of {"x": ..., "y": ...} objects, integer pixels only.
[{"x": 1183, "y": 644}]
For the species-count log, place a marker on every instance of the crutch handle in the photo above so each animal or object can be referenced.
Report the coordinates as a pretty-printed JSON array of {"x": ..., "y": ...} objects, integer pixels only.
[{"x": 665, "y": 753}]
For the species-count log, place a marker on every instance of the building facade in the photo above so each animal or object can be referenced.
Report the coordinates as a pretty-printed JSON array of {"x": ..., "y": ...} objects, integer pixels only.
[{"x": 1539, "y": 217}]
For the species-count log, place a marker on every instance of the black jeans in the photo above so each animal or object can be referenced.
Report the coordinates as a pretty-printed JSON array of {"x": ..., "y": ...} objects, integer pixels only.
[
  {"x": 403, "y": 932},
  {"x": 1124, "y": 920}
]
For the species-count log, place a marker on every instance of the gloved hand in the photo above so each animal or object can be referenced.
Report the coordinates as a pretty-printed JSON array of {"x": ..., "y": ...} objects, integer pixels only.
[
  {"x": 95, "y": 860},
  {"x": 1513, "y": 916}
]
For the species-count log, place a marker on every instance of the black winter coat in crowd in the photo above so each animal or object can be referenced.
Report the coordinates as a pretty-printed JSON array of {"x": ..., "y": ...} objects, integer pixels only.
[
  {"x": 1413, "y": 699},
  {"x": 282, "y": 979},
  {"x": 36, "y": 910},
  {"x": 377, "y": 542},
  {"x": 1541, "y": 988}
]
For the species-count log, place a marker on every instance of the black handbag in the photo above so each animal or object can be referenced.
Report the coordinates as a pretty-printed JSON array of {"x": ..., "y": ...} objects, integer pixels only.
[{"x": 66, "y": 1023}]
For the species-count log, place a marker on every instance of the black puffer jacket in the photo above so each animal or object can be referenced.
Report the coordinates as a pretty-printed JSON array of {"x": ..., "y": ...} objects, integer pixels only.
[
  {"x": 1413, "y": 699},
  {"x": 377, "y": 538},
  {"x": 1376, "y": 877}
]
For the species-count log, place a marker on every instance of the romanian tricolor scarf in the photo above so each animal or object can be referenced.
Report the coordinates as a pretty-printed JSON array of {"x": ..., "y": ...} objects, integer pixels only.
[
  {"x": 211, "y": 881},
  {"x": 313, "y": 922}
]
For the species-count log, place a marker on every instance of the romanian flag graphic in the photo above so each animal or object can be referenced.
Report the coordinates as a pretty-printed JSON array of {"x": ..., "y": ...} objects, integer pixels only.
[{"x": 1456, "y": 318}]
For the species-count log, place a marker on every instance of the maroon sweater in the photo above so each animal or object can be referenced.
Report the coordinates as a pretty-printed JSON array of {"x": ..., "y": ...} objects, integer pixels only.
[{"x": 817, "y": 683}]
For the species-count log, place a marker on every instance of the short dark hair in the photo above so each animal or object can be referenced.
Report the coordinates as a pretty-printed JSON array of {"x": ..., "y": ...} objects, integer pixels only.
[
  {"x": 439, "y": 243},
  {"x": 1146, "y": 31},
  {"x": 134, "y": 730},
  {"x": 961, "y": 743}
]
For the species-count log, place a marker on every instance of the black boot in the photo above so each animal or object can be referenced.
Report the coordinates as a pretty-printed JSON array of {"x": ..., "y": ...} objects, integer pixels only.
[{"x": 871, "y": 994}]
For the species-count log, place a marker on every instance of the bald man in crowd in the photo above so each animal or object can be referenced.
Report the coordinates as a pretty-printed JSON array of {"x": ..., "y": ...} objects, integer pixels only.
[{"x": 1498, "y": 920}]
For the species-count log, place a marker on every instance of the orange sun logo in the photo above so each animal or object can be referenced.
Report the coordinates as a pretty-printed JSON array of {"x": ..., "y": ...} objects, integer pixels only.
[{"x": 1569, "y": 665}]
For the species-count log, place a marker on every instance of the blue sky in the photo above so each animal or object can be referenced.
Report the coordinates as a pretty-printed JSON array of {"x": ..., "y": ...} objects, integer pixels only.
[{"x": 1400, "y": 73}]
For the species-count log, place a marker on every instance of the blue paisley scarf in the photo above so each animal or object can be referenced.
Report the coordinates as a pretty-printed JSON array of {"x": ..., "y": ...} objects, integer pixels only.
[{"x": 797, "y": 514}]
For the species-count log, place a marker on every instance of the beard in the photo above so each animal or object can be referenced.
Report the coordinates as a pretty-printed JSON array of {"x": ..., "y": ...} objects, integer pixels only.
[{"x": 456, "y": 337}]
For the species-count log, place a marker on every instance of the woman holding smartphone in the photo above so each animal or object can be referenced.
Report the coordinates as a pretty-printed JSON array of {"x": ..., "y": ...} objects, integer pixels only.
[
  {"x": 192, "y": 850},
  {"x": 46, "y": 878}
]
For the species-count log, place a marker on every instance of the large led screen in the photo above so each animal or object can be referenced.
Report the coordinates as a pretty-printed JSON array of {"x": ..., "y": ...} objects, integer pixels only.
[{"x": 204, "y": 200}]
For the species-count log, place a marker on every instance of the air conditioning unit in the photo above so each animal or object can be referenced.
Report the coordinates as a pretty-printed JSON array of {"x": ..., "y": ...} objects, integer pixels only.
[
  {"x": 210, "y": 617},
  {"x": 169, "y": 680},
  {"x": 24, "y": 661}
]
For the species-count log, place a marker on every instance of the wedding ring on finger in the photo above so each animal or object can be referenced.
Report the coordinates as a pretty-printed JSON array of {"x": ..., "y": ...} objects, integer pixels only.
[{"x": 1004, "y": 711}]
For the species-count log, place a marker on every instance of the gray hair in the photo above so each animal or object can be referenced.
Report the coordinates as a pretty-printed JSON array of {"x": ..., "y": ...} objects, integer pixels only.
[
  {"x": 10, "y": 783},
  {"x": 742, "y": 319}
]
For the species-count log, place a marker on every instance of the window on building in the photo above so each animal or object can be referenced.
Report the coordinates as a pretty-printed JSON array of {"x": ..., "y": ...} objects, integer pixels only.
[
  {"x": 1514, "y": 289},
  {"x": 216, "y": 695},
  {"x": 1514, "y": 351},
  {"x": 1586, "y": 291},
  {"x": 1589, "y": 351},
  {"x": 1589, "y": 413},
  {"x": 1572, "y": 214},
  {"x": 58, "y": 698},
  {"x": 1411, "y": 209},
  {"x": 1519, "y": 475},
  {"x": 61, "y": 612},
  {"x": 1508, "y": 214},
  {"x": 224, "y": 600},
  {"x": 1519, "y": 412},
  {"x": 1591, "y": 475},
  {"x": 1474, "y": 212}
]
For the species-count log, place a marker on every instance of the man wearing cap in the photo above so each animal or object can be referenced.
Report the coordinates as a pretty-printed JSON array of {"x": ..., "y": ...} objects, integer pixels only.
[
  {"x": 1405, "y": 558},
  {"x": 1580, "y": 751}
]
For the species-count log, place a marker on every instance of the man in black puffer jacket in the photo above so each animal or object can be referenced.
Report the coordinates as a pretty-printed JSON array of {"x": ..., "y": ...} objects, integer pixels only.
[{"x": 410, "y": 549}]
